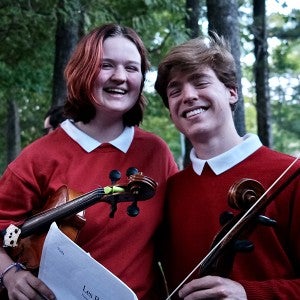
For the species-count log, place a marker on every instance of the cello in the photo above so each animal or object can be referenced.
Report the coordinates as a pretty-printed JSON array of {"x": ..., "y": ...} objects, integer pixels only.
[{"x": 251, "y": 199}]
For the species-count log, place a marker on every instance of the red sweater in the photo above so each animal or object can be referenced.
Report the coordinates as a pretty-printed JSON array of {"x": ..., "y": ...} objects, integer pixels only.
[
  {"x": 122, "y": 244},
  {"x": 272, "y": 270}
]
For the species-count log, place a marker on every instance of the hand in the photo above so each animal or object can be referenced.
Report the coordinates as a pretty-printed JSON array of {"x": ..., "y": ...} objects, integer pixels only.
[
  {"x": 213, "y": 287},
  {"x": 23, "y": 285}
]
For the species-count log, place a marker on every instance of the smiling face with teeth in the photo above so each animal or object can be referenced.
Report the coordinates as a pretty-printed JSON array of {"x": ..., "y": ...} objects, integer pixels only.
[
  {"x": 118, "y": 85},
  {"x": 199, "y": 103}
]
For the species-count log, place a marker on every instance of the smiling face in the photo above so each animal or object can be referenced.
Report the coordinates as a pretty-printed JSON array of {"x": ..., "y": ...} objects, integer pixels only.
[
  {"x": 118, "y": 84},
  {"x": 199, "y": 104}
]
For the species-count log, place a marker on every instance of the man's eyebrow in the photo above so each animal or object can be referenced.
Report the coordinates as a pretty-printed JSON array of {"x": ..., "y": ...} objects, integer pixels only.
[
  {"x": 172, "y": 84},
  {"x": 199, "y": 76},
  {"x": 194, "y": 76}
]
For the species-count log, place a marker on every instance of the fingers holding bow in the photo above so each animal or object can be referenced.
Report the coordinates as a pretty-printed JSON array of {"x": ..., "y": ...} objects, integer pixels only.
[{"x": 212, "y": 287}]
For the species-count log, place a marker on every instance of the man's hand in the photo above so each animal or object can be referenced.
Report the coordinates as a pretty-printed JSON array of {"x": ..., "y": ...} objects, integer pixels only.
[{"x": 212, "y": 287}]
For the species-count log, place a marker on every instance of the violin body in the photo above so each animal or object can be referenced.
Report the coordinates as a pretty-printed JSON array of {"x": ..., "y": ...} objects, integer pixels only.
[
  {"x": 66, "y": 207},
  {"x": 29, "y": 249}
]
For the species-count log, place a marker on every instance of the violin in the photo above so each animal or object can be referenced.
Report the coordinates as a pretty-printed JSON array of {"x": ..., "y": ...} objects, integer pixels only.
[
  {"x": 24, "y": 244},
  {"x": 250, "y": 198}
]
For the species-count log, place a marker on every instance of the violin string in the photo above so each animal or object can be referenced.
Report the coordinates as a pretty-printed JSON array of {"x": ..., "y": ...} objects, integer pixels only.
[{"x": 233, "y": 227}]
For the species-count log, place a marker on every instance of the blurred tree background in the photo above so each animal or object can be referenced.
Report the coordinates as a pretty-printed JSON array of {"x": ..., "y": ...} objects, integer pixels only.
[{"x": 31, "y": 29}]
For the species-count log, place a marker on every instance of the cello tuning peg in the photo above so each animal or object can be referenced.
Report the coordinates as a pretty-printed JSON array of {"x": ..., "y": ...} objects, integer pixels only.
[
  {"x": 114, "y": 176},
  {"x": 133, "y": 210},
  {"x": 243, "y": 246},
  {"x": 131, "y": 171},
  {"x": 266, "y": 221},
  {"x": 225, "y": 217}
]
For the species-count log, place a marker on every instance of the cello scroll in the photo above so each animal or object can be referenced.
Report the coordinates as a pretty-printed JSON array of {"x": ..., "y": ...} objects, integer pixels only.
[{"x": 244, "y": 193}]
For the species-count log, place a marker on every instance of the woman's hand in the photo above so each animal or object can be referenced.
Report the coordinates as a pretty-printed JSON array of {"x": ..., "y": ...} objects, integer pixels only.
[{"x": 23, "y": 285}]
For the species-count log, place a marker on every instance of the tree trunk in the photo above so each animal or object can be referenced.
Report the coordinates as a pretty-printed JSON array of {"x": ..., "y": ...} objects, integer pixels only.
[
  {"x": 66, "y": 38},
  {"x": 192, "y": 19},
  {"x": 13, "y": 132},
  {"x": 223, "y": 18},
  {"x": 261, "y": 72}
]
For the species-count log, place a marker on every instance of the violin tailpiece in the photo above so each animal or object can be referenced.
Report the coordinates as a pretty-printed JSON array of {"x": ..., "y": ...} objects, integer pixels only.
[{"x": 11, "y": 236}]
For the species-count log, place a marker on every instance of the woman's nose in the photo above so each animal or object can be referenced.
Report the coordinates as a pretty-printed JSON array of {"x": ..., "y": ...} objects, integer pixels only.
[{"x": 119, "y": 74}]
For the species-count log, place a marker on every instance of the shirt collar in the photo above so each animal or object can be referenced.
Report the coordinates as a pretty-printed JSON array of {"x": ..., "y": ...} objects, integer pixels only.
[
  {"x": 228, "y": 159},
  {"x": 122, "y": 142}
]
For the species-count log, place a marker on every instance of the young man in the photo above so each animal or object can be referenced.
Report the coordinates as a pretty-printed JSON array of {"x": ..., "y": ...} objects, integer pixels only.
[{"x": 197, "y": 82}]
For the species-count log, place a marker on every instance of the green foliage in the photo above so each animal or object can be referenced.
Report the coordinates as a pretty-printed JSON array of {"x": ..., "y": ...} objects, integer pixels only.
[
  {"x": 286, "y": 58},
  {"x": 286, "y": 127},
  {"x": 285, "y": 86},
  {"x": 285, "y": 27},
  {"x": 250, "y": 115},
  {"x": 157, "y": 120},
  {"x": 26, "y": 62}
]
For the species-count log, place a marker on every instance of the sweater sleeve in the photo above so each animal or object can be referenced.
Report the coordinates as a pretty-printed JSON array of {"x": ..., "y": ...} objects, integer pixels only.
[{"x": 272, "y": 289}]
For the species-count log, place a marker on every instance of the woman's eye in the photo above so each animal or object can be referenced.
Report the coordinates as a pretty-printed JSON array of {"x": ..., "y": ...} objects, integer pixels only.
[
  {"x": 106, "y": 66},
  {"x": 132, "y": 69}
]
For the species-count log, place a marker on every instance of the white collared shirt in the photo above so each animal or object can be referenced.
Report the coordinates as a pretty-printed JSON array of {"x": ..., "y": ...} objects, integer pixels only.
[
  {"x": 122, "y": 142},
  {"x": 228, "y": 159}
]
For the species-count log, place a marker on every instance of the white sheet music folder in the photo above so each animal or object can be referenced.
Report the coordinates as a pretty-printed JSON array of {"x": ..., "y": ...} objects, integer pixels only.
[{"x": 73, "y": 274}]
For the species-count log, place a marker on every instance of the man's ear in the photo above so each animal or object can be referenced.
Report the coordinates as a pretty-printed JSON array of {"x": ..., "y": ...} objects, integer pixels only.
[{"x": 233, "y": 95}]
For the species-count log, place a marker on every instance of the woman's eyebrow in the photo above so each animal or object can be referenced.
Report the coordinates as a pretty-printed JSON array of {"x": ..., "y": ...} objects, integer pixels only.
[{"x": 136, "y": 62}]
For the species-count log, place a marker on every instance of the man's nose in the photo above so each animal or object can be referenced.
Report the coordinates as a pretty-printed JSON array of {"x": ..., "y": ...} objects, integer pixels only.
[{"x": 189, "y": 93}]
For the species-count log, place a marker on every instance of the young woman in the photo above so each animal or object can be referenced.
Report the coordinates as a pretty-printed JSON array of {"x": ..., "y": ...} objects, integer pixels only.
[{"x": 105, "y": 105}]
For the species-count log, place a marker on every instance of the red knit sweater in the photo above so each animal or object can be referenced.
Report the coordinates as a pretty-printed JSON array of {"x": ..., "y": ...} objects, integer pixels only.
[
  {"x": 122, "y": 244},
  {"x": 272, "y": 270}
]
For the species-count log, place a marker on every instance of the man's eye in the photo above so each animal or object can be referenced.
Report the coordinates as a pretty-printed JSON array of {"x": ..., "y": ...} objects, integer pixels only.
[
  {"x": 200, "y": 84},
  {"x": 173, "y": 93}
]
